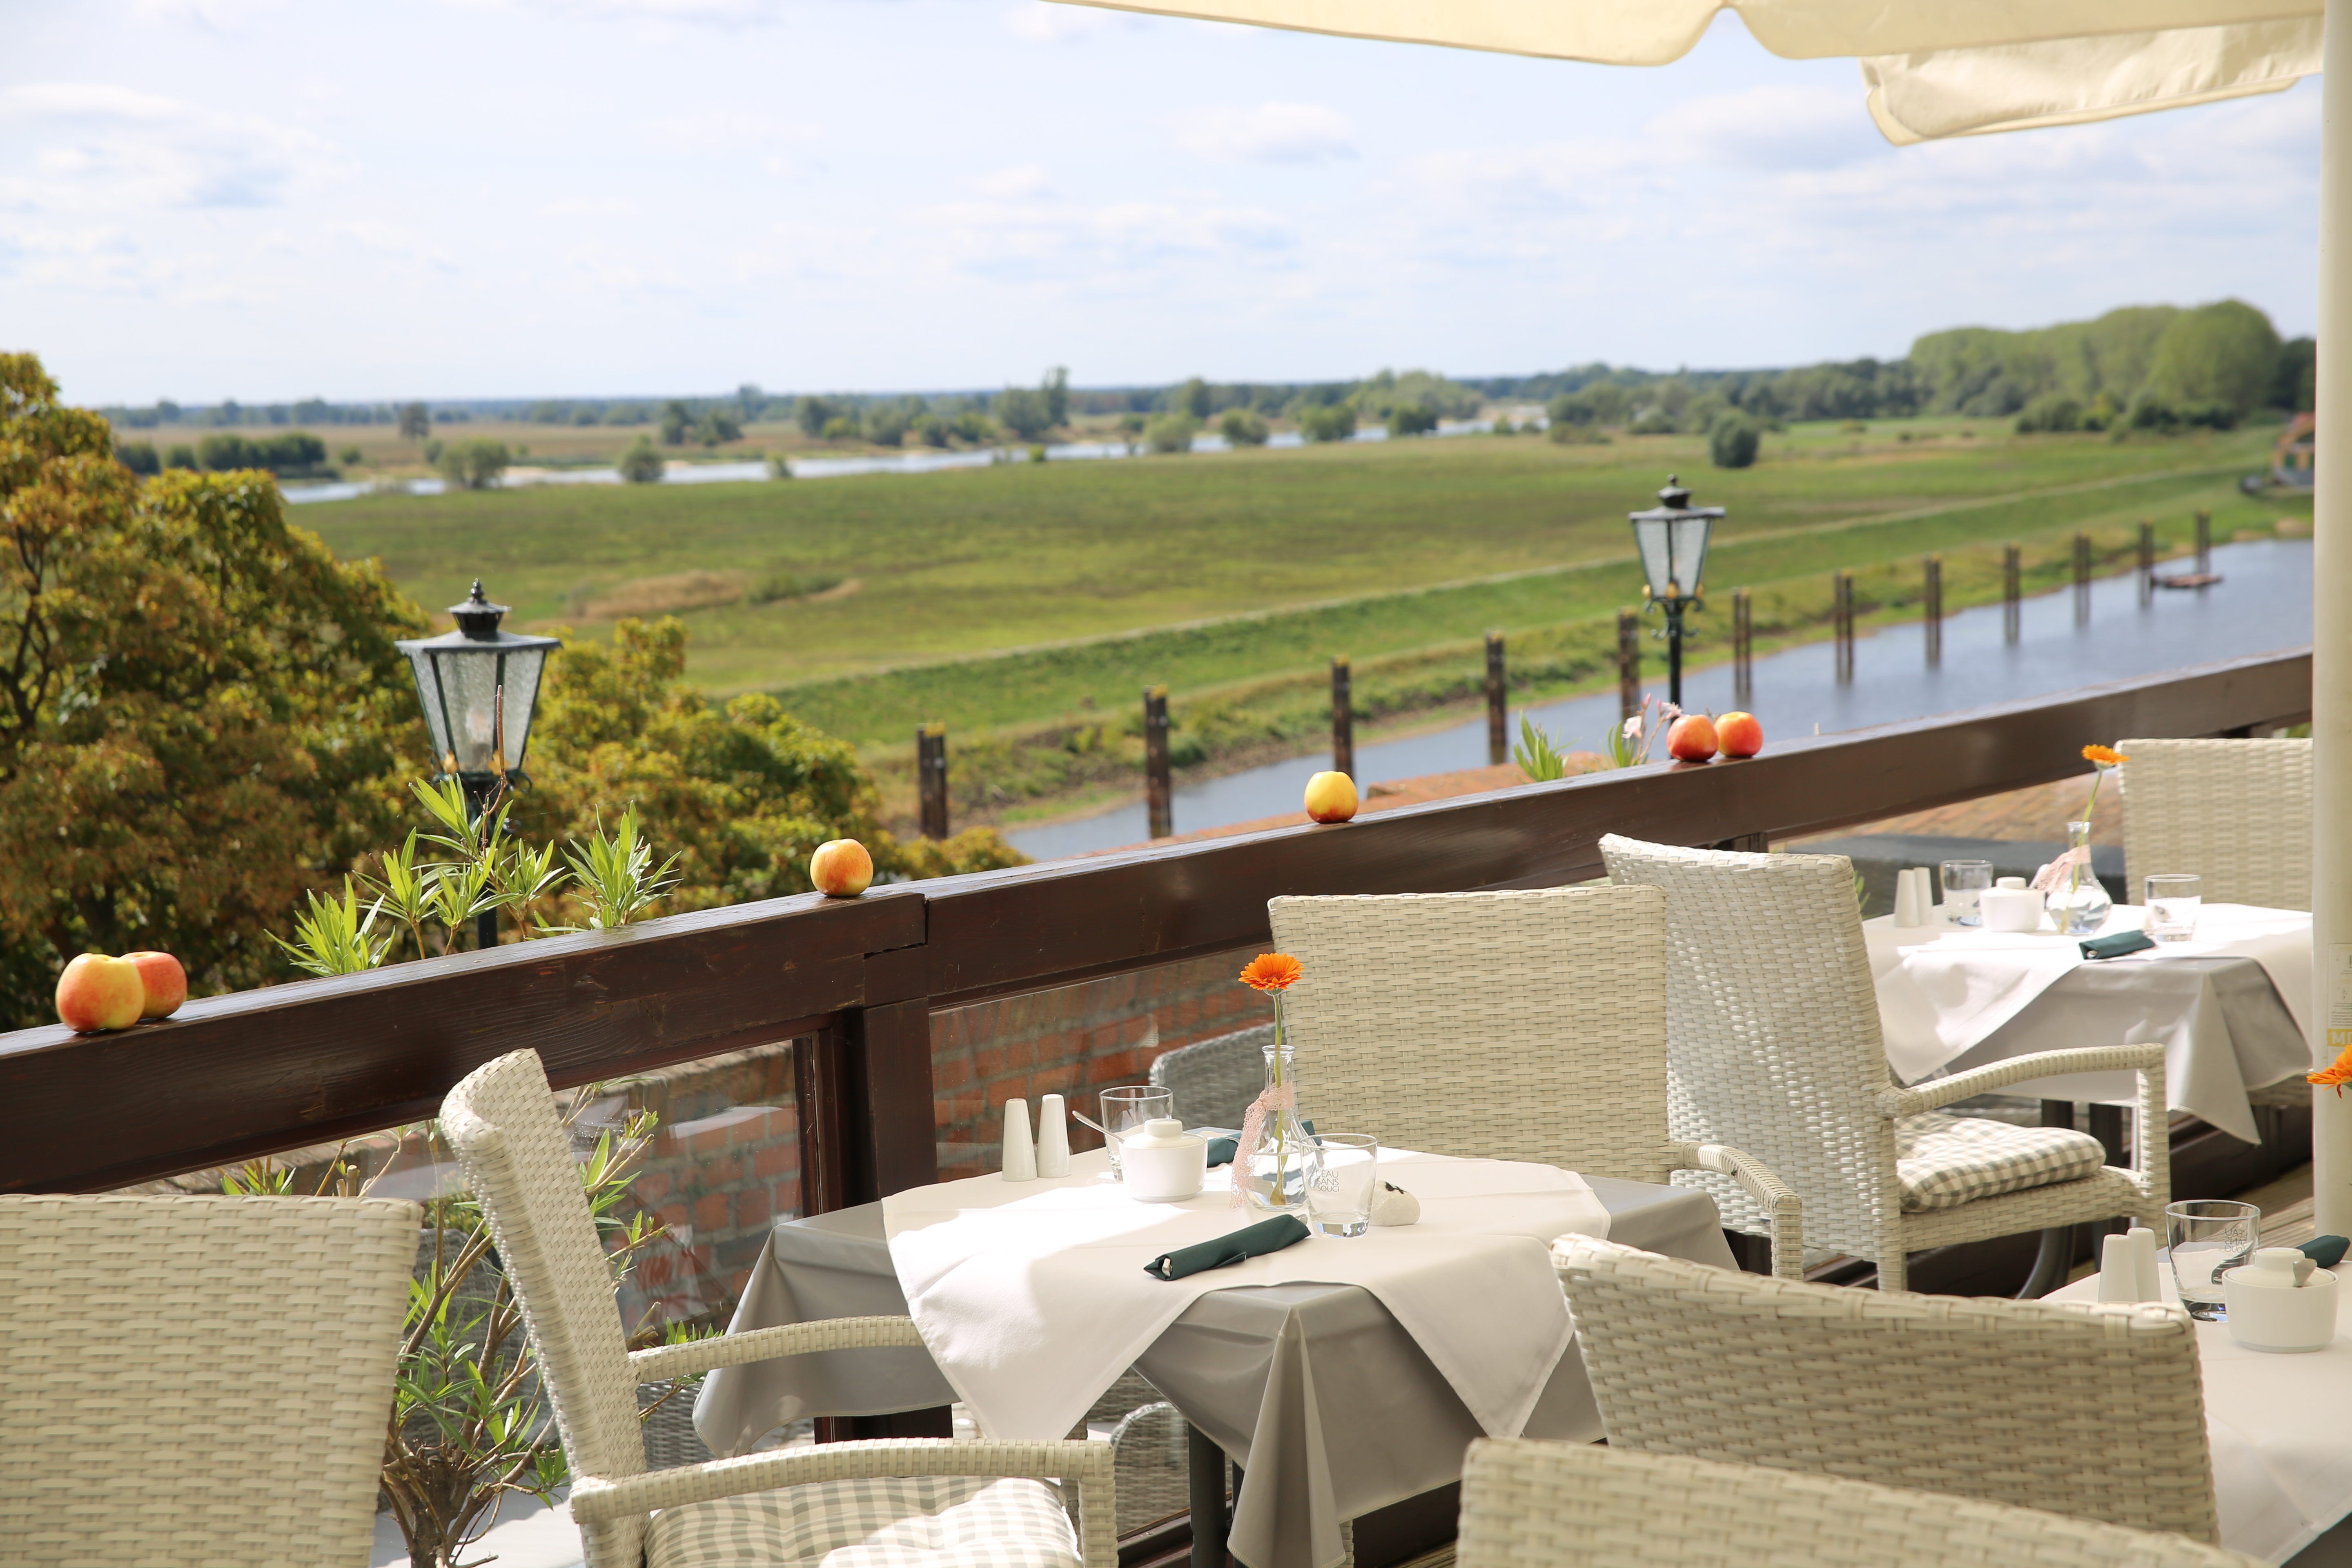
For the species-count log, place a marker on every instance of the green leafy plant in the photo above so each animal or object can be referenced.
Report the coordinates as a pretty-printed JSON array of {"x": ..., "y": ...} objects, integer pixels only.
[
  {"x": 1537, "y": 756},
  {"x": 1628, "y": 745},
  {"x": 333, "y": 937},
  {"x": 613, "y": 875}
]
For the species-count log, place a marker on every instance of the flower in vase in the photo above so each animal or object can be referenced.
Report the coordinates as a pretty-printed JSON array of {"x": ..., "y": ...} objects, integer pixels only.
[
  {"x": 2106, "y": 756},
  {"x": 2335, "y": 1076},
  {"x": 1271, "y": 971}
]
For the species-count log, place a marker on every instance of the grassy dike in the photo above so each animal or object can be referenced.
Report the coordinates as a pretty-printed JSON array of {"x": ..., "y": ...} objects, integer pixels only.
[{"x": 1418, "y": 657}]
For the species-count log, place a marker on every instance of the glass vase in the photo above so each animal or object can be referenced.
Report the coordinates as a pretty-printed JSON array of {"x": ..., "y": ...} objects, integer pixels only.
[
  {"x": 2080, "y": 904},
  {"x": 1273, "y": 1169}
]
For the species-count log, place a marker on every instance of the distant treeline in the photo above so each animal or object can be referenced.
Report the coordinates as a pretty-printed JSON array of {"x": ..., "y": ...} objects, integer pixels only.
[{"x": 2158, "y": 366}]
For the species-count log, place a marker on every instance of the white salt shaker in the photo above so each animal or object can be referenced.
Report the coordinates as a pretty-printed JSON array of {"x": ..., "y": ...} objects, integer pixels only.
[
  {"x": 1020, "y": 1154},
  {"x": 1052, "y": 1137},
  {"x": 1907, "y": 900},
  {"x": 2127, "y": 1267},
  {"x": 2281, "y": 1301}
]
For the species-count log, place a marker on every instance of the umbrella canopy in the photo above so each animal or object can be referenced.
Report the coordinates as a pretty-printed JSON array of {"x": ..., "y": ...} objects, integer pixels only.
[{"x": 1932, "y": 69}]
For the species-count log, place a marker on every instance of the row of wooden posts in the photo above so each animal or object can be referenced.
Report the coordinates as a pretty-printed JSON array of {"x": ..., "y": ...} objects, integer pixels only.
[{"x": 1158, "y": 793}]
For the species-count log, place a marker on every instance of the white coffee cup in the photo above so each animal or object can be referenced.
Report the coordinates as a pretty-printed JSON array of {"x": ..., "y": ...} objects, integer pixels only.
[
  {"x": 2010, "y": 909},
  {"x": 2280, "y": 1301}
]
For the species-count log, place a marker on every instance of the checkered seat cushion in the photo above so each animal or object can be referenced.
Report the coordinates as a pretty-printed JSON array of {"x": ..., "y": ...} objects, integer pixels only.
[
  {"x": 1945, "y": 1161},
  {"x": 929, "y": 1522}
]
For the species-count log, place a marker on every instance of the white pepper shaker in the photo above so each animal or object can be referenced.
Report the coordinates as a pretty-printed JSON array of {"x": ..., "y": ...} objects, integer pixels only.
[
  {"x": 1020, "y": 1154},
  {"x": 1052, "y": 1137}
]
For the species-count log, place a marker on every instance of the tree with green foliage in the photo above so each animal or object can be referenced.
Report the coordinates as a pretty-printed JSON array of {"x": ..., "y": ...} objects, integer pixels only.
[
  {"x": 1170, "y": 432},
  {"x": 139, "y": 456},
  {"x": 1327, "y": 421},
  {"x": 202, "y": 714},
  {"x": 473, "y": 465},
  {"x": 1411, "y": 419},
  {"x": 1192, "y": 398},
  {"x": 2224, "y": 354},
  {"x": 642, "y": 463},
  {"x": 2052, "y": 412},
  {"x": 675, "y": 421},
  {"x": 1022, "y": 411},
  {"x": 416, "y": 422},
  {"x": 814, "y": 414},
  {"x": 718, "y": 425},
  {"x": 1055, "y": 389},
  {"x": 1244, "y": 428},
  {"x": 1732, "y": 441}
]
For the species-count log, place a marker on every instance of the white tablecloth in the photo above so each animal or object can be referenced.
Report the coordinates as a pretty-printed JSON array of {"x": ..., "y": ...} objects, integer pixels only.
[
  {"x": 2280, "y": 1428},
  {"x": 1032, "y": 1298},
  {"x": 1944, "y": 988}
]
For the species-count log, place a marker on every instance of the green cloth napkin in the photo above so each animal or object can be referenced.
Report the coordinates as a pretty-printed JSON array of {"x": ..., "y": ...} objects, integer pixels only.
[
  {"x": 2117, "y": 945},
  {"x": 2328, "y": 1251},
  {"x": 1249, "y": 1241}
]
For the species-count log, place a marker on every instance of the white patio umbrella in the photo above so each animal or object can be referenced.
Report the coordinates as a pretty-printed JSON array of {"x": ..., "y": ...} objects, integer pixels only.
[{"x": 1935, "y": 69}]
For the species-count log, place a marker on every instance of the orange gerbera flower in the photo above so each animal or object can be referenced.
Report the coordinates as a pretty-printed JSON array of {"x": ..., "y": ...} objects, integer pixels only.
[
  {"x": 2106, "y": 756},
  {"x": 2335, "y": 1076},
  {"x": 1271, "y": 971}
]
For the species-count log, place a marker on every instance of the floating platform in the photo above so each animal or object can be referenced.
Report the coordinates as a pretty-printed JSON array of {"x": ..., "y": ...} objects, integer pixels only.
[{"x": 2190, "y": 580}]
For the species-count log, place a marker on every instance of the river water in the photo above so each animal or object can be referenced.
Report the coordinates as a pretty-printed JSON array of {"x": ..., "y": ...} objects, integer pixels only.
[{"x": 2263, "y": 603}]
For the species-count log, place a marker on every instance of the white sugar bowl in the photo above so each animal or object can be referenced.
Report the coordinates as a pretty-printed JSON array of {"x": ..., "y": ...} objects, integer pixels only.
[
  {"x": 1162, "y": 1164},
  {"x": 2281, "y": 1301}
]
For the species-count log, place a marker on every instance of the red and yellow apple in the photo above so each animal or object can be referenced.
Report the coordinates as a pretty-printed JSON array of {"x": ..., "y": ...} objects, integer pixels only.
[
  {"x": 97, "y": 991},
  {"x": 1738, "y": 734},
  {"x": 167, "y": 983},
  {"x": 1692, "y": 740},
  {"x": 1330, "y": 797},
  {"x": 841, "y": 869}
]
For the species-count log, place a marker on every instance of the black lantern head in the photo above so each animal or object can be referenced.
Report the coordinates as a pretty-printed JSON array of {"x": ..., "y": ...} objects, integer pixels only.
[
  {"x": 1671, "y": 537},
  {"x": 479, "y": 686}
]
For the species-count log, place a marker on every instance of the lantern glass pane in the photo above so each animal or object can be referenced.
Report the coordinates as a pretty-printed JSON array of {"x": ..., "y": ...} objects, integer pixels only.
[
  {"x": 470, "y": 677},
  {"x": 1690, "y": 552},
  {"x": 428, "y": 694},
  {"x": 1651, "y": 536},
  {"x": 523, "y": 666}
]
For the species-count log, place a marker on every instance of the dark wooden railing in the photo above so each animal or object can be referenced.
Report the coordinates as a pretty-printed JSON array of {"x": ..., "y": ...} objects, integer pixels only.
[{"x": 855, "y": 981}]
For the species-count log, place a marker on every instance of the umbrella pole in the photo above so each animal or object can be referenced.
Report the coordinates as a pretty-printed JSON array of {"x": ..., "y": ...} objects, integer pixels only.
[{"x": 2331, "y": 668}]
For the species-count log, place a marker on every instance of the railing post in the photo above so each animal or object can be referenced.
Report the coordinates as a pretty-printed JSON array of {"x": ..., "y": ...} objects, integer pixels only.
[
  {"x": 1159, "y": 798},
  {"x": 1498, "y": 699},
  {"x": 1343, "y": 719},
  {"x": 1932, "y": 599},
  {"x": 2204, "y": 543},
  {"x": 1842, "y": 611},
  {"x": 1629, "y": 664},
  {"x": 2013, "y": 591},
  {"x": 1743, "y": 648},
  {"x": 2082, "y": 578},
  {"x": 931, "y": 778},
  {"x": 2146, "y": 562}
]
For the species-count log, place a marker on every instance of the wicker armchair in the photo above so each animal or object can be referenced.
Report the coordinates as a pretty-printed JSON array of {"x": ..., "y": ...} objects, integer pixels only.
[
  {"x": 937, "y": 1501},
  {"x": 197, "y": 1380},
  {"x": 1774, "y": 1044},
  {"x": 1560, "y": 1505},
  {"x": 2236, "y": 813},
  {"x": 1213, "y": 1081},
  {"x": 1513, "y": 1025},
  {"x": 2094, "y": 1411}
]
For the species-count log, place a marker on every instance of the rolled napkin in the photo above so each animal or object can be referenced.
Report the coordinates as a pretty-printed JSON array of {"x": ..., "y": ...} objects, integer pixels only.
[
  {"x": 1249, "y": 1241},
  {"x": 2328, "y": 1251},
  {"x": 1393, "y": 1205},
  {"x": 2116, "y": 944}
]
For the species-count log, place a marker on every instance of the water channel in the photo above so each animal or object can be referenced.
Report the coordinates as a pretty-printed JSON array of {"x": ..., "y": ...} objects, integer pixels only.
[{"x": 2263, "y": 603}]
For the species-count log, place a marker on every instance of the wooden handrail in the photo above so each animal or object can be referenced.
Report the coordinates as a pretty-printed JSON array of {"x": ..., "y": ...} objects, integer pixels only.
[{"x": 231, "y": 1077}]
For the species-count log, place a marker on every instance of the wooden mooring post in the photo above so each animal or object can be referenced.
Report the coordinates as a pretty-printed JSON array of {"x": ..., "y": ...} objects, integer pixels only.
[
  {"x": 2013, "y": 591},
  {"x": 1931, "y": 599},
  {"x": 1743, "y": 648},
  {"x": 931, "y": 778},
  {"x": 1498, "y": 702},
  {"x": 1842, "y": 613},
  {"x": 1343, "y": 719},
  {"x": 1629, "y": 664},
  {"x": 2082, "y": 578},
  {"x": 2146, "y": 562},
  {"x": 2204, "y": 543},
  {"x": 1159, "y": 798}
]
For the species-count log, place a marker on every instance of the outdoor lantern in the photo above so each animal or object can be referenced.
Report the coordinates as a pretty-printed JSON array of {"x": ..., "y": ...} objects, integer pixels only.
[
  {"x": 1671, "y": 538},
  {"x": 479, "y": 686}
]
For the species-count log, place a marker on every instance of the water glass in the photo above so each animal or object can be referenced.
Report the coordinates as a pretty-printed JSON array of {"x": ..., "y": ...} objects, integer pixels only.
[
  {"x": 1963, "y": 882},
  {"x": 2173, "y": 900},
  {"x": 1124, "y": 1111},
  {"x": 1342, "y": 1178},
  {"x": 2209, "y": 1237}
]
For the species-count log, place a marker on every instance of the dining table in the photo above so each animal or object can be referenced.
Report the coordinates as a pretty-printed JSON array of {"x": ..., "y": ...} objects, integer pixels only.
[
  {"x": 1324, "y": 1393},
  {"x": 2231, "y": 1006}
]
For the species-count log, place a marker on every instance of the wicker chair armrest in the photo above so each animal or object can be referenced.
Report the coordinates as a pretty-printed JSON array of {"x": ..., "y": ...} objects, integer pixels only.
[
  {"x": 767, "y": 1344},
  {"x": 601, "y": 1502},
  {"x": 1776, "y": 1197},
  {"x": 2017, "y": 1069}
]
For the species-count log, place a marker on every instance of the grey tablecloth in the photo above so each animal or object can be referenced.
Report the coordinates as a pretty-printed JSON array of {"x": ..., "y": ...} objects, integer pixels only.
[
  {"x": 2221, "y": 1021},
  {"x": 1326, "y": 1403}
]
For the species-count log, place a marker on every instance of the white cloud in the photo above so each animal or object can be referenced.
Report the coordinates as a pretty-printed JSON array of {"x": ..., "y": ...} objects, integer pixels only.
[
  {"x": 1125, "y": 242},
  {"x": 587, "y": 207},
  {"x": 91, "y": 146},
  {"x": 1041, "y": 22},
  {"x": 1268, "y": 134},
  {"x": 1021, "y": 180}
]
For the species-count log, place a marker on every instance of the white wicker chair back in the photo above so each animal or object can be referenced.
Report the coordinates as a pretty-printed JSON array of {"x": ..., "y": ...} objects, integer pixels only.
[
  {"x": 1565, "y": 1505},
  {"x": 1213, "y": 1081},
  {"x": 503, "y": 1122},
  {"x": 1772, "y": 1035},
  {"x": 1513, "y": 1025},
  {"x": 2236, "y": 813},
  {"x": 2094, "y": 1411},
  {"x": 197, "y": 1380}
]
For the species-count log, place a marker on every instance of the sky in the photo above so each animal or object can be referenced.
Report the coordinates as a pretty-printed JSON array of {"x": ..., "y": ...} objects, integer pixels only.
[{"x": 202, "y": 199}]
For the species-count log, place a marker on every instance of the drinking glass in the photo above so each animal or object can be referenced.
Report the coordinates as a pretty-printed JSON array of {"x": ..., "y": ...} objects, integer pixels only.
[
  {"x": 1963, "y": 882},
  {"x": 2173, "y": 900},
  {"x": 2209, "y": 1235},
  {"x": 1124, "y": 1111},
  {"x": 1343, "y": 1176}
]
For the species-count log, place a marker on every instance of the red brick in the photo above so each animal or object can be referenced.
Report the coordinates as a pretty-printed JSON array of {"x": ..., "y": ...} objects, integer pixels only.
[
  {"x": 751, "y": 1208},
  {"x": 710, "y": 1213},
  {"x": 777, "y": 1159}
]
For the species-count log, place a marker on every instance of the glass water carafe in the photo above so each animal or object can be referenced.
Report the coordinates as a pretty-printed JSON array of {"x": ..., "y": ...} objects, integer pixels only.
[{"x": 2080, "y": 903}]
